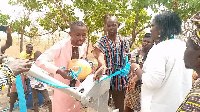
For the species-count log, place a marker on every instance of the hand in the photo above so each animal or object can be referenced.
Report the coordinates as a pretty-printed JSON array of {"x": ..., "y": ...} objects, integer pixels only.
[
  {"x": 133, "y": 66},
  {"x": 64, "y": 73},
  {"x": 1, "y": 57},
  {"x": 8, "y": 30},
  {"x": 141, "y": 64},
  {"x": 39, "y": 85},
  {"x": 99, "y": 73},
  {"x": 19, "y": 66}
]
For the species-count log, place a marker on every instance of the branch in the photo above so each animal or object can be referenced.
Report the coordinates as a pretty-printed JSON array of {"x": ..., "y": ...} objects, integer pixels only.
[
  {"x": 143, "y": 29},
  {"x": 136, "y": 22},
  {"x": 134, "y": 28},
  {"x": 62, "y": 13},
  {"x": 45, "y": 33}
]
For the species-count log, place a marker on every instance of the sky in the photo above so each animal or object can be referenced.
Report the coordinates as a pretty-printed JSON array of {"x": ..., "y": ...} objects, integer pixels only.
[{"x": 15, "y": 11}]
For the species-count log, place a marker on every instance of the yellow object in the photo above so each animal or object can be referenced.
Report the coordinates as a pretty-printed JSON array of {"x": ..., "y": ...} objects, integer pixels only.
[
  {"x": 198, "y": 33},
  {"x": 83, "y": 64},
  {"x": 24, "y": 55}
]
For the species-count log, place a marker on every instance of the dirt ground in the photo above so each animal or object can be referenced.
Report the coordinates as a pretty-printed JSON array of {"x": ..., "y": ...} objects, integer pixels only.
[{"x": 4, "y": 103}]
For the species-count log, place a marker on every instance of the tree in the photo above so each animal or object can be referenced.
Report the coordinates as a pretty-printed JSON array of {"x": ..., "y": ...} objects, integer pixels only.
[
  {"x": 32, "y": 33},
  {"x": 4, "y": 19},
  {"x": 20, "y": 24},
  {"x": 184, "y": 8},
  {"x": 96, "y": 13},
  {"x": 19, "y": 27},
  {"x": 59, "y": 16},
  {"x": 131, "y": 14}
]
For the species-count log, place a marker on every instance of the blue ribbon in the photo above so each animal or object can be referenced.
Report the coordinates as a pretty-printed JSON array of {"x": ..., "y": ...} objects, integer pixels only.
[
  {"x": 122, "y": 72},
  {"x": 21, "y": 95},
  {"x": 20, "y": 90},
  {"x": 53, "y": 84},
  {"x": 74, "y": 74}
]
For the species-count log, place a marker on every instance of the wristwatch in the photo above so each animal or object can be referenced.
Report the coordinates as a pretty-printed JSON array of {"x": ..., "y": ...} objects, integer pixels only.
[{"x": 135, "y": 69}]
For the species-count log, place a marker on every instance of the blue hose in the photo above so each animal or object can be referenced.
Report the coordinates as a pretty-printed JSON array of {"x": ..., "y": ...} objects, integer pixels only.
[{"x": 21, "y": 95}]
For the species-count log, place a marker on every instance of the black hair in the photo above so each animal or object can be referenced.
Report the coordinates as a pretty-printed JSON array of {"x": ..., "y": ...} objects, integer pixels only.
[
  {"x": 28, "y": 45},
  {"x": 147, "y": 35},
  {"x": 168, "y": 23},
  {"x": 76, "y": 23}
]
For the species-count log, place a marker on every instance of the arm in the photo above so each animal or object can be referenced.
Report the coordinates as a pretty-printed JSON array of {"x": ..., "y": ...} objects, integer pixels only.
[
  {"x": 45, "y": 59},
  {"x": 101, "y": 64},
  {"x": 8, "y": 41}
]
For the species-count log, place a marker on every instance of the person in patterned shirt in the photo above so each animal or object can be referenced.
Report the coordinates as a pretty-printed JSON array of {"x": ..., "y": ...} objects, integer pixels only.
[
  {"x": 192, "y": 60},
  {"x": 110, "y": 51}
]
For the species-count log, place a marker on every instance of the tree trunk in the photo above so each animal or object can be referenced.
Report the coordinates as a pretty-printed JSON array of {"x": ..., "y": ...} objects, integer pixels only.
[
  {"x": 18, "y": 39},
  {"x": 31, "y": 40},
  {"x": 21, "y": 42},
  {"x": 48, "y": 39},
  {"x": 105, "y": 17},
  {"x": 134, "y": 28},
  {"x": 88, "y": 43},
  {"x": 53, "y": 40}
]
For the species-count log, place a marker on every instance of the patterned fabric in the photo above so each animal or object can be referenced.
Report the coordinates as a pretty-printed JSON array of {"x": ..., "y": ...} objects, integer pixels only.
[
  {"x": 132, "y": 97},
  {"x": 133, "y": 92},
  {"x": 195, "y": 36},
  {"x": 192, "y": 101},
  {"x": 115, "y": 59},
  {"x": 3, "y": 80},
  {"x": 5, "y": 76}
]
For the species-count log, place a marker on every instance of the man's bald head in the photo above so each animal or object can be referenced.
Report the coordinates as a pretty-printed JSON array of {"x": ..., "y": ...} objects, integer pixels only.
[
  {"x": 112, "y": 25},
  {"x": 112, "y": 19}
]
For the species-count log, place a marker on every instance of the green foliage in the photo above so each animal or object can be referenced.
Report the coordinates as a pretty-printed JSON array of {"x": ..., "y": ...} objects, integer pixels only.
[
  {"x": 30, "y": 5},
  {"x": 4, "y": 19},
  {"x": 96, "y": 12},
  {"x": 19, "y": 25},
  {"x": 94, "y": 38},
  {"x": 60, "y": 15},
  {"x": 33, "y": 32},
  {"x": 185, "y": 8},
  {"x": 130, "y": 21},
  {"x": 132, "y": 14}
]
